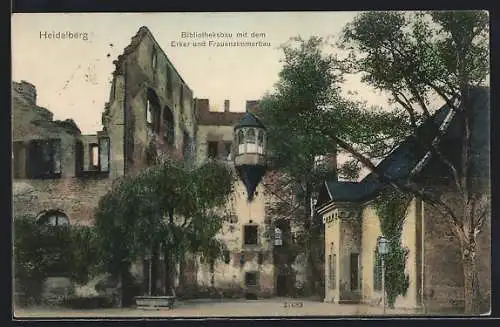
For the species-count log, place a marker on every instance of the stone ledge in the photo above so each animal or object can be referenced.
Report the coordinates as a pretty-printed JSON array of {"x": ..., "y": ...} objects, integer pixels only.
[{"x": 155, "y": 302}]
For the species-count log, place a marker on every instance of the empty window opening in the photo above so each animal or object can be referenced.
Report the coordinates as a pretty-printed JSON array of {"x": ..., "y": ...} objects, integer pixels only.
[
  {"x": 79, "y": 157},
  {"x": 354, "y": 271},
  {"x": 181, "y": 98},
  {"x": 54, "y": 218},
  {"x": 186, "y": 146},
  {"x": 149, "y": 112},
  {"x": 213, "y": 149},
  {"x": 227, "y": 257},
  {"x": 154, "y": 58},
  {"x": 241, "y": 142},
  {"x": 227, "y": 149},
  {"x": 18, "y": 159},
  {"x": 251, "y": 235},
  {"x": 168, "y": 126},
  {"x": 251, "y": 278},
  {"x": 94, "y": 155},
  {"x": 169, "y": 81},
  {"x": 260, "y": 143},
  {"x": 44, "y": 158},
  {"x": 251, "y": 141}
]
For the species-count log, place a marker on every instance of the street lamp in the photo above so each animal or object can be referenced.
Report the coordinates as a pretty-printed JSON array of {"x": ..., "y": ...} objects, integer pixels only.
[
  {"x": 383, "y": 249},
  {"x": 278, "y": 241}
]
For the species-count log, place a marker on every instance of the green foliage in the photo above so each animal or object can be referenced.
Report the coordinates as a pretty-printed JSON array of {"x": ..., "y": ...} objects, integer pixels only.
[
  {"x": 302, "y": 115},
  {"x": 417, "y": 58},
  {"x": 86, "y": 253},
  {"x": 391, "y": 207},
  {"x": 414, "y": 56},
  {"x": 172, "y": 205},
  {"x": 42, "y": 251}
]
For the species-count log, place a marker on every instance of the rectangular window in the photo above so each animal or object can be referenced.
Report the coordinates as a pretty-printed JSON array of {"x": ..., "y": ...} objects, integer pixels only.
[
  {"x": 251, "y": 278},
  {"x": 354, "y": 271},
  {"x": 250, "y": 235},
  {"x": 93, "y": 156},
  {"x": 79, "y": 161},
  {"x": 44, "y": 158},
  {"x": 169, "y": 82},
  {"x": 181, "y": 97},
  {"x": 186, "y": 146},
  {"x": 168, "y": 127},
  {"x": 227, "y": 257},
  {"x": 18, "y": 160},
  {"x": 104, "y": 154},
  {"x": 213, "y": 149},
  {"x": 149, "y": 112},
  {"x": 227, "y": 149},
  {"x": 154, "y": 59}
]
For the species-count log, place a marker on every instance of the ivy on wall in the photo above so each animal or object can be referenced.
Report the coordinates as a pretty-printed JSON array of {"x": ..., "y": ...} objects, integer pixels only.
[{"x": 391, "y": 207}]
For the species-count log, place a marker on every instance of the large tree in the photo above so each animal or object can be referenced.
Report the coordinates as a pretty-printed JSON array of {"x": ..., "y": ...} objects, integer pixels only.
[
  {"x": 171, "y": 207},
  {"x": 413, "y": 58},
  {"x": 307, "y": 94}
]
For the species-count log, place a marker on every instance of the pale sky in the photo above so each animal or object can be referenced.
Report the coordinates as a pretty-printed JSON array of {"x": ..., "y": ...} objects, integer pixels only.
[{"x": 237, "y": 73}]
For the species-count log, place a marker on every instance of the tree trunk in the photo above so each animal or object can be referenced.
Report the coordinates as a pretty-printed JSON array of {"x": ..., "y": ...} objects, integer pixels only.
[
  {"x": 310, "y": 289},
  {"x": 182, "y": 272},
  {"x": 310, "y": 280},
  {"x": 169, "y": 273},
  {"x": 471, "y": 281}
]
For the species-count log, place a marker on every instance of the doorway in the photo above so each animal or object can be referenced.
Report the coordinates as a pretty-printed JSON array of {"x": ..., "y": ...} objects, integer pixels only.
[{"x": 281, "y": 285}]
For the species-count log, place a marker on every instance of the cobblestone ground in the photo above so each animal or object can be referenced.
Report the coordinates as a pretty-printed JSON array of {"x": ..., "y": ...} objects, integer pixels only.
[{"x": 210, "y": 308}]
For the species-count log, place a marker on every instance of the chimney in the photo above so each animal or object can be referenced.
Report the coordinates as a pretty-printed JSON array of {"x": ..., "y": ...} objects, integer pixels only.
[{"x": 226, "y": 105}]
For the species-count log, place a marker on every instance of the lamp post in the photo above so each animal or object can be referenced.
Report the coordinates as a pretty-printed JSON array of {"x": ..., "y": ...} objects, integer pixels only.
[
  {"x": 383, "y": 249},
  {"x": 149, "y": 257},
  {"x": 277, "y": 237}
]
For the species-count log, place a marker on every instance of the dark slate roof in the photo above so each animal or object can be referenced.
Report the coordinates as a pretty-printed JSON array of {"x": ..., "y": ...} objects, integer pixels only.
[
  {"x": 401, "y": 162},
  {"x": 249, "y": 120},
  {"x": 351, "y": 191}
]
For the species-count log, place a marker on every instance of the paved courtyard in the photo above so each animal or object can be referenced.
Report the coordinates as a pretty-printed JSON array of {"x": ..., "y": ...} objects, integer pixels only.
[{"x": 234, "y": 308}]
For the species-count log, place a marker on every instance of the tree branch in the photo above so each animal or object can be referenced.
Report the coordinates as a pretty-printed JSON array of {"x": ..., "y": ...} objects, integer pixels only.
[{"x": 405, "y": 189}]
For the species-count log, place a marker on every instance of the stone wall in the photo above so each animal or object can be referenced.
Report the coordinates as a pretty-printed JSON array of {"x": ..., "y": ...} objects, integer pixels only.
[
  {"x": 443, "y": 279},
  {"x": 77, "y": 197},
  {"x": 232, "y": 275},
  {"x": 350, "y": 244},
  {"x": 144, "y": 73},
  {"x": 332, "y": 247}
]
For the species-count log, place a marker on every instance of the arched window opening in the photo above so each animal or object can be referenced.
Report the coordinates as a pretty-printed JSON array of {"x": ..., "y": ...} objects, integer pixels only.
[
  {"x": 241, "y": 142},
  {"x": 168, "y": 126},
  {"x": 149, "y": 112},
  {"x": 153, "y": 112},
  {"x": 260, "y": 142},
  {"x": 53, "y": 218},
  {"x": 250, "y": 140}
]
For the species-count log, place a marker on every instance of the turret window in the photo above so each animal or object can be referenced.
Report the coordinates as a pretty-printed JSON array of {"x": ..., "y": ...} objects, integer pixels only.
[
  {"x": 250, "y": 140},
  {"x": 241, "y": 142},
  {"x": 260, "y": 143}
]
